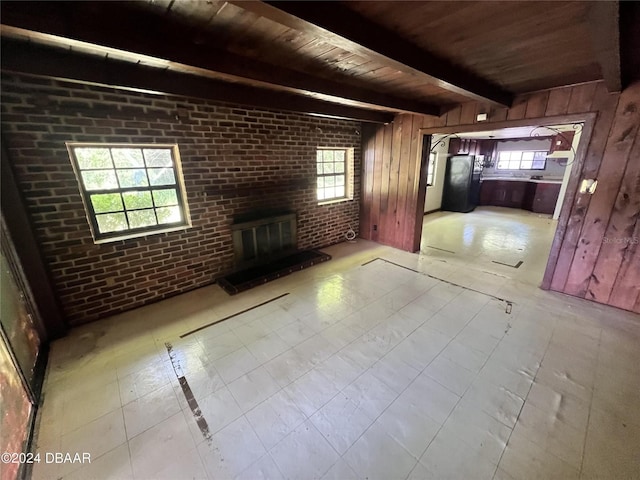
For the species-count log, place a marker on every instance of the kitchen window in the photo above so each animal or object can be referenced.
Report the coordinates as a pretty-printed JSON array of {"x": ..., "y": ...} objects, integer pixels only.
[
  {"x": 334, "y": 174},
  {"x": 519, "y": 160},
  {"x": 130, "y": 190}
]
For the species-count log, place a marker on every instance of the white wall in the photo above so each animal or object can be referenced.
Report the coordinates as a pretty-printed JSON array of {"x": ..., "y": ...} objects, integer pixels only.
[
  {"x": 433, "y": 200},
  {"x": 567, "y": 173}
]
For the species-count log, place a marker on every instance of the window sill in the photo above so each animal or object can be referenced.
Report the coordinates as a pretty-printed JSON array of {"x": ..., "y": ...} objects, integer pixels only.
[
  {"x": 335, "y": 200},
  {"x": 126, "y": 236}
]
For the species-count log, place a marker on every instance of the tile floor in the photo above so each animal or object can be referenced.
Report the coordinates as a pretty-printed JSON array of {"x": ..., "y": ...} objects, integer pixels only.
[
  {"x": 362, "y": 371},
  {"x": 489, "y": 235}
]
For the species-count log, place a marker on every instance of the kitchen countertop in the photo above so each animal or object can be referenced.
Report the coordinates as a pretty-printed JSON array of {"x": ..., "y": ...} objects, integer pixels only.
[{"x": 521, "y": 179}]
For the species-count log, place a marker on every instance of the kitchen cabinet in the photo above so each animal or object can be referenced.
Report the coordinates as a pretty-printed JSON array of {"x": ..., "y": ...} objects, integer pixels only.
[{"x": 538, "y": 197}]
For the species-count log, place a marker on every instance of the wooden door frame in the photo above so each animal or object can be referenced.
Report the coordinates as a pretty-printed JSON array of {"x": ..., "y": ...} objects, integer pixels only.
[{"x": 587, "y": 119}]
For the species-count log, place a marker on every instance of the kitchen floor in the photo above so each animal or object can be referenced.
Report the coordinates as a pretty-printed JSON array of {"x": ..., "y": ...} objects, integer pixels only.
[
  {"x": 505, "y": 241},
  {"x": 378, "y": 364}
]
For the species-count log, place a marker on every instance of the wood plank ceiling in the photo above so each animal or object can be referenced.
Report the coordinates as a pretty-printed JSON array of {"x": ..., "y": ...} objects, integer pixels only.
[{"x": 337, "y": 58}]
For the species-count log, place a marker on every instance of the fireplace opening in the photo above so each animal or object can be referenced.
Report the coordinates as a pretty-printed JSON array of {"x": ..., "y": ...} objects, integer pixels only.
[{"x": 263, "y": 240}]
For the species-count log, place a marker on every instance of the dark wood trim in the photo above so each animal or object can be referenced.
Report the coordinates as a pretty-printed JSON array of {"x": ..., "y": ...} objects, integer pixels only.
[
  {"x": 603, "y": 19},
  {"x": 32, "y": 59},
  {"x": 344, "y": 28},
  {"x": 485, "y": 126},
  {"x": 28, "y": 254},
  {"x": 141, "y": 34},
  {"x": 574, "y": 180}
]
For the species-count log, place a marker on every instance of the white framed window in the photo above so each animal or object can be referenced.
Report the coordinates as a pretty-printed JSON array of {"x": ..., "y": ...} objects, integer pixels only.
[
  {"x": 130, "y": 190},
  {"x": 519, "y": 160},
  {"x": 334, "y": 174}
]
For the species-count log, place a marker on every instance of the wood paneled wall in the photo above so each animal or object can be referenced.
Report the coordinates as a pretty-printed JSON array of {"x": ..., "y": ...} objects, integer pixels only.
[{"x": 595, "y": 253}]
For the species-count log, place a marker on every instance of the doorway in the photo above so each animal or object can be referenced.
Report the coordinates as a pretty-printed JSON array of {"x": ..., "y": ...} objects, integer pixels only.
[{"x": 529, "y": 172}]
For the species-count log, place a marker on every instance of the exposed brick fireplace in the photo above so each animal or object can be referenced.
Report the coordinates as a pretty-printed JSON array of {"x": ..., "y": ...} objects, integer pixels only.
[
  {"x": 235, "y": 160},
  {"x": 265, "y": 239}
]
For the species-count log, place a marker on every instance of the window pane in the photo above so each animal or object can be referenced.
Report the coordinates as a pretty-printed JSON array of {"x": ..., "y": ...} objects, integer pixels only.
[
  {"x": 165, "y": 197},
  {"x": 132, "y": 178},
  {"x": 99, "y": 179},
  {"x": 503, "y": 165},
  {"x": 339, "y": 180},
  {"x": 527, "y": 155},
  {"x": 320, "y": 182},
  {"x": 169, "y": 215},
  {"x": 329, "y": 192},
  {"x": 329, "y": 181},
  {"x": 320, "y": 193},
  {"x": 539, "y": 164},
  {"x": 135, "y": 200},
  {"x": 540, "y": 155},
  {"x": 127, "y": 157},
  {"x": 90, "y": 158},
  {"x": 327, "y": 155},
  {"x": 526, "y": 164},
  {"x": 158, "y": 157},
  {"x": 514, "y": 164},
  {"x": 319, "y": 156},
  {"x": 328, "y": 168},
  {"x": 106, "y": 202},
  {"x": 504, "y": 155},
  {"x": 141, "y": 218},
  {"x": 515, "y": 156},
  {"x": 161, "y": 176},
  {"x": 340, "y": 191},
  {"x": 320, "y": 169},
  {"x": 111, "y": 222},
  {"x": 339, "y": 155},
  {"x": 339, "y": 167}
]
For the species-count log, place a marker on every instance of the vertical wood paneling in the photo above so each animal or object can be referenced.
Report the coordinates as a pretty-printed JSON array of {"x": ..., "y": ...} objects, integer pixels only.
[
  {"x": 453, "y": 116},
  {"x": 606, "y": 106},
  {"x": 498, "y": 114},
  {"x": 626, "y": 289},
  {"x": 616, "y": 154},
  {"x": 537, "y": 105},
  {"x": 467, "y": 114},
  {"x": 581, "y": 98},
  {"x": 389, "y": 227},
  {"x": 518, "y": 109},
  {"x": 411, "y": 214},
  {"x": 558, "y": 102},
  {"x": 583, "y": 265},
  {"x": 381, "y": 148},
  {"x": 619, "y": 236},
  {"x": 403, "y": 180}
]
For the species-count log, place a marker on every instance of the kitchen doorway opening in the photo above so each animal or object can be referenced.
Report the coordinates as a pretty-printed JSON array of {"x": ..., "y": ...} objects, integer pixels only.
[{"x": 496, "y": 194}]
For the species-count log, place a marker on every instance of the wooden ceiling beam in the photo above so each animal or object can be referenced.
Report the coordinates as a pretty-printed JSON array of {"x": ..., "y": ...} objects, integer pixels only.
[
  {"x": 124, "y": 27},
  {"x": 23, "y": 57},
  {"x": 604, "y": 25},
  {"x": 335, "y": 23}
]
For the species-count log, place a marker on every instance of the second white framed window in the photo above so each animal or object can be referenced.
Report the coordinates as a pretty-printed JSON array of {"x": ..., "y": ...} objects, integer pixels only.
[{"x": 334, "y": 167}]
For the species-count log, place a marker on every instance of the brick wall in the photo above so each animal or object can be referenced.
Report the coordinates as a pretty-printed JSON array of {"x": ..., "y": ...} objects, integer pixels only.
[{"x": 235, "y": 160}]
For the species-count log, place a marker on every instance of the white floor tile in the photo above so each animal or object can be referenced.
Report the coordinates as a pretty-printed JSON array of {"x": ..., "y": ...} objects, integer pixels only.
[
  {"x": 275, "y": 418},
  {"x": 251, "y": 389},
  {"x": 378, "y": 456},
  {"x": 304, "y": 453},
  {"x": 231, "y": 450}
]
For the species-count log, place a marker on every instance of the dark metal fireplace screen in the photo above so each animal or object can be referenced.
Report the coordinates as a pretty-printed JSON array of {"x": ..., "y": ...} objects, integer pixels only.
[{"x": 264, "y": 240}]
